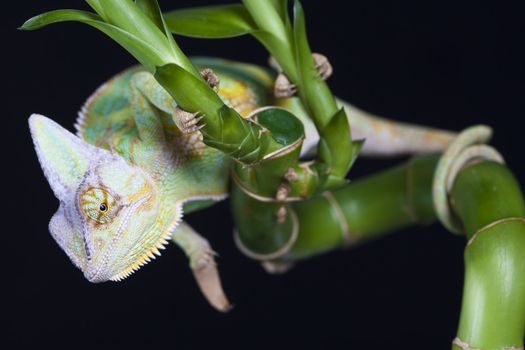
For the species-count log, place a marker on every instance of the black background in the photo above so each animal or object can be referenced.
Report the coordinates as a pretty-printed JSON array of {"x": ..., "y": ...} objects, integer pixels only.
[{"x": 444, "y": 63}]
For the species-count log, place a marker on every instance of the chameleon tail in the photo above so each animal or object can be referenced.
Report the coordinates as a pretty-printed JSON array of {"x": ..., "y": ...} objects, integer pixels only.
[{"x": 384, "y": 137}]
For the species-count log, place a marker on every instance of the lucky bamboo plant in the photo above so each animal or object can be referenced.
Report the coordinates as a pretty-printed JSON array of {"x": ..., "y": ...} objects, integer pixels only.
[{"x": 159, "y": 126}]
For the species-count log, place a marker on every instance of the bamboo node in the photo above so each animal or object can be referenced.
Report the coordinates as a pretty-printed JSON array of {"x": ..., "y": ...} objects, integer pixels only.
[
  {"x": 279, "y": 252},
  {"x": 259, "y": 197},
  {"x": 468, "y": 147},
  {"x": 348, "y": 238},
  {"x": 492, "y": 224},
  {"x": 465, "y": 346}
]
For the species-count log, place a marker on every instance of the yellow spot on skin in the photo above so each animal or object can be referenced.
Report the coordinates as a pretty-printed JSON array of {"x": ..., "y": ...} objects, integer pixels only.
[{"x": 239, "y": 96}]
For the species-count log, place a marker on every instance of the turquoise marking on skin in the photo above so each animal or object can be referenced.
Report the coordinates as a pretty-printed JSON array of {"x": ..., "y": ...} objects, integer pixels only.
[{"x": 108, "y": 104}]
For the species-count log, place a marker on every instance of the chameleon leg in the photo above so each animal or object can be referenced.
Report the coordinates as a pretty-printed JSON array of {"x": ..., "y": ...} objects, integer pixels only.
[
  {"x": 385, "y": 137},
  {"x": 148, "y": 86},
  {"x": 144, "y": 98},
  {"x": 153, "y": 154},
  {"x": 202, "y": 263}
]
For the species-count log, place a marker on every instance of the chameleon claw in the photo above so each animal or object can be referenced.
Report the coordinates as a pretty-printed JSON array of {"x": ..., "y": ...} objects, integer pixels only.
[
  {"x": 323, "y": 66},
  {"x": 283, "y": 87},
  {"x": 187, "y": 122},
  {"x": 207, "y": 277},
  {"x": 210, "y": 285},
  {"x": 193, "y": 120}
]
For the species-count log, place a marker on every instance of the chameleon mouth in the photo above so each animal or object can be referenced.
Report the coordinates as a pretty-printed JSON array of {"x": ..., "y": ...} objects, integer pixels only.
[{"x": 152, "y": 252}]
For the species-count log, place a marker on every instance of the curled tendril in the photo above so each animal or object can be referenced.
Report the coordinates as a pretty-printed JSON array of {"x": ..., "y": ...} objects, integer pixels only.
[{"x": 468, "y": 147}]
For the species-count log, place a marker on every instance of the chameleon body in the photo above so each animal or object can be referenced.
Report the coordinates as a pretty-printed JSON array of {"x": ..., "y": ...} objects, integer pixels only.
[{"x": 126, "y": 178}]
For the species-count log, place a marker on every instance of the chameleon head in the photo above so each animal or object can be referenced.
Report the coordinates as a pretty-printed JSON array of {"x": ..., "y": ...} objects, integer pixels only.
[{"x": 108, "y": 219}]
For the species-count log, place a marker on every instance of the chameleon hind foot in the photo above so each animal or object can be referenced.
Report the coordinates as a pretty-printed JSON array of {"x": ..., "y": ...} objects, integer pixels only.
[
  {"x": 323, "y": 66},
  {"x": 202, "y": 264},
  {"x": 284, "y": 88},
  {"x": 207, "y": 276},
  {"x": 211, "y": 78}
]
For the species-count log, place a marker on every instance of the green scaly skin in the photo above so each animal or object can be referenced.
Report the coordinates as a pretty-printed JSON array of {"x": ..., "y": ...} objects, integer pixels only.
[{"x": 127, "y": 177}]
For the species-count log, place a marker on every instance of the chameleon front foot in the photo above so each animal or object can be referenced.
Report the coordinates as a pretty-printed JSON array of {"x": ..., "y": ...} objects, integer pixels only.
[
  {"x": 187, "y": 122},
  {"x": 283, "y": 88}
]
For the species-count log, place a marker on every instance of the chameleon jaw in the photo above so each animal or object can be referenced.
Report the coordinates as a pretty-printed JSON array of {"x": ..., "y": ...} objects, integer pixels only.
[
  {"x": 145, "y": 258},
  {"x": 99, "y": 272},
  {"x": 151, "y": 253}
]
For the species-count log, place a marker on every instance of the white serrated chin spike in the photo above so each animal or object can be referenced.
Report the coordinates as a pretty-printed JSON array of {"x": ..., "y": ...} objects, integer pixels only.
[{"x": 152, "y": 253}]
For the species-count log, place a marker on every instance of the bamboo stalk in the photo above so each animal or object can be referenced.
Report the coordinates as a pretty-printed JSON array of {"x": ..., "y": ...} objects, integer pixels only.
[
  {"x": 487, "y": 199},
  {"x": 357, "y": 212}
]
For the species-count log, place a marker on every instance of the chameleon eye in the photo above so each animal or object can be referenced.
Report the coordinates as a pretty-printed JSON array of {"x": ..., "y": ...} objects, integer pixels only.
[{"x": 98, "y": 205}]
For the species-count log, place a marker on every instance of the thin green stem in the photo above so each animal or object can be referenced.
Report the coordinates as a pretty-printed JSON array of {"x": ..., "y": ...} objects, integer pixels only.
[{"x": 267, "y": 18}]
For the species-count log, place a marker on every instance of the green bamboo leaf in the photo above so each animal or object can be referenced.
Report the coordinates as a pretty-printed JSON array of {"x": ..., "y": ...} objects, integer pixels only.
[
  {"x": 270, "y": 42},
  {"x": 283, "y": 125},
  {"x": 240, "y": 138},
  {"x": 96, "y": 5},
  {"x": 215, "y": 22},
  {"x": 281, "y": 6},
  {"x": 126, "y": 15},
  {"x": 357, "y": 145},
  {"x": 145, "y": 53},
  {"x": 267, "y": 17},
  {"x": 57, "y": 16},
  {"x": 152, "y": 9},
  {"x": 303, "y": 54},
  {"x": 335, "y": 146}
]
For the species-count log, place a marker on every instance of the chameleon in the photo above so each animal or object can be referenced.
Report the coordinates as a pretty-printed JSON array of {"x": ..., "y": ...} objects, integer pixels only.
[{"x": 133, "y": 168}]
